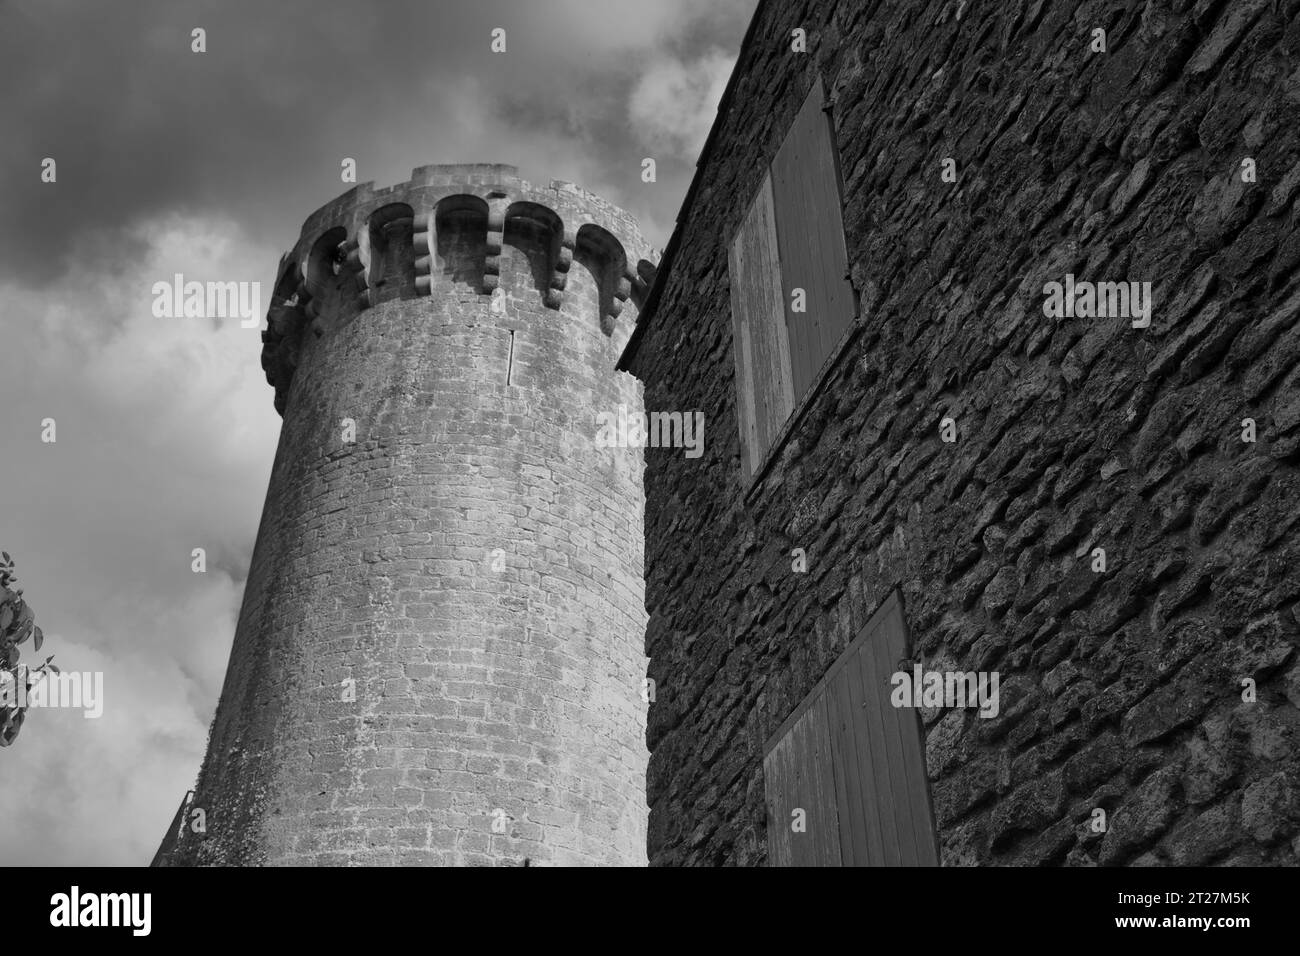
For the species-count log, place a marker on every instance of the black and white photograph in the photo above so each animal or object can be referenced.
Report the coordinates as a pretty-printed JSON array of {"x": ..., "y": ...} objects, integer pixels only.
[{"x": 656, "y": 434}]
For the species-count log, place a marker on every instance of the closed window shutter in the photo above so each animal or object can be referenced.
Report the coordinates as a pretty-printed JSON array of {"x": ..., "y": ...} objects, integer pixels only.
[
  {"x": 792, "y": 237},
  {"x": 854, "y": 763},
  {"x": 764, "y": 388},
  {"x": 810, "y": 236}
]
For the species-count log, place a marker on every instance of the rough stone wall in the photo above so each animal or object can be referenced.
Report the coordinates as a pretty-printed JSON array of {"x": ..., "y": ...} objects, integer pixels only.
[
  {"x": 1120, "y": 690},
  {"x": 471, "y": 562}
]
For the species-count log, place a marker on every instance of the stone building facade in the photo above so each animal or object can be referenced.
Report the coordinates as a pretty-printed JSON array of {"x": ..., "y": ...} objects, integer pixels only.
[
  {"x": 439, "y": 654},
  {"x": 1102, "y": 512}
]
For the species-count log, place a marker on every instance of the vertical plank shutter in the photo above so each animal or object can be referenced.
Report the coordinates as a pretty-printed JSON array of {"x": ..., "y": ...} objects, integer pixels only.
[
  {"x": 854, "y": 763},
  {"x": 800, "y": 776},
  {"x": 764, "y": 387},
  {"x": 810, "y": 236}
]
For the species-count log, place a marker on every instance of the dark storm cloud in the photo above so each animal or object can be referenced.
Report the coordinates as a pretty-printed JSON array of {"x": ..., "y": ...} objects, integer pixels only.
[{"x": 257, "y": 126}]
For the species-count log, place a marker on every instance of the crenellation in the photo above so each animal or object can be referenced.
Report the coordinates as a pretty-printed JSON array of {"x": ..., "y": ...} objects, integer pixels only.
[{"x": 369, "y": 245}]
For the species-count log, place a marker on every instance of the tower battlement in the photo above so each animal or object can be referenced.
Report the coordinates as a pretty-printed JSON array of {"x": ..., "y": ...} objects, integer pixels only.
[{"x": 447, "y": 226}]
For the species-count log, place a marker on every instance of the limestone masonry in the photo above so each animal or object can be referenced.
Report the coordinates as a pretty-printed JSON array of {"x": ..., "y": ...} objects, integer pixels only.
[{"x": 439, "y": 656}]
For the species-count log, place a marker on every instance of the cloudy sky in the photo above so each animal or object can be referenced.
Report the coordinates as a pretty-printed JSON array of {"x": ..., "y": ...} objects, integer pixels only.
[{"x": 206, "y": 164}]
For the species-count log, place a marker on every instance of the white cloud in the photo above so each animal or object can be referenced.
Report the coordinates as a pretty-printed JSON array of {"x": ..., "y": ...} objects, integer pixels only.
[
  {"x": 165, "y": 438},
  {"x": 674, "y": 102}
]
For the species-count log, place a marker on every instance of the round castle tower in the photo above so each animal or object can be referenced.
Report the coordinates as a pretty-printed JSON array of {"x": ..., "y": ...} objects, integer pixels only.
[{"x": 439, "y": 658}]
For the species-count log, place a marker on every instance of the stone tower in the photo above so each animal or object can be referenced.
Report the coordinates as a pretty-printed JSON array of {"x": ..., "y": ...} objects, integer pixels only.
[{"x": 439, "y": 657}]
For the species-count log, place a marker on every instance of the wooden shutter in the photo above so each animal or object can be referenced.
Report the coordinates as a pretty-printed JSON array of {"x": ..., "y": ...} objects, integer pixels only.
[
  {"x": 810, "y": 236},
  {"x": 799, "y": 774},
  {"x": 764, "y": 389},
  {"x": 854, "y": 763}
]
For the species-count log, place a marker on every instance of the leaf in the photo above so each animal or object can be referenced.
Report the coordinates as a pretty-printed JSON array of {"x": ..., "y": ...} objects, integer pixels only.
[
  {"x": 39, "y": 636},
  {"x": 8, "y": 560},
  {"x": 54, "y": 667}
]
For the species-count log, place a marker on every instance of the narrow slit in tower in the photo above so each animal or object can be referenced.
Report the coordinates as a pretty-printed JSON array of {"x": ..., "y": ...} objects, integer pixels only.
[{"x": 510, "y": 362}]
